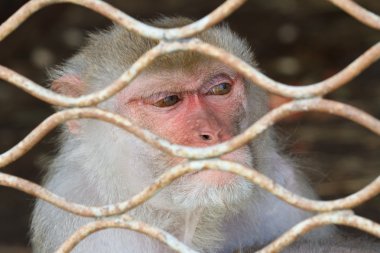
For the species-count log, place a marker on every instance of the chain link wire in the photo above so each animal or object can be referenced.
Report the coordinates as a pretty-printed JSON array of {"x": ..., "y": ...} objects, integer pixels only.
[{"x": 305, "y": 98}]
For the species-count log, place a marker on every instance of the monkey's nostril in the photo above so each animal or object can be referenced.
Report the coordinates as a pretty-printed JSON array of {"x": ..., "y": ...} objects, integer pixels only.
[{"x": 205, "y": 137}]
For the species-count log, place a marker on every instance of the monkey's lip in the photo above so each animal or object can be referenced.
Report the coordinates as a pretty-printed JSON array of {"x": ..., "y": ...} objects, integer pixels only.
[
  {"x": 217, "y": 177},
  {"x": 213, "y": 177}
]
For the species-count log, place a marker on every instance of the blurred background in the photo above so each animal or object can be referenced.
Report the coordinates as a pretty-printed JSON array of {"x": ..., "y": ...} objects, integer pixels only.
[{"x": 295, "y": 41}]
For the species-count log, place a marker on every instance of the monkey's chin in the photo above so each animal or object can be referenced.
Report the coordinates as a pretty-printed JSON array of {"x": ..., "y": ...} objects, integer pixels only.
[
  {"x": 208, "y": 188},
  {"x": 223, "y": 191}
]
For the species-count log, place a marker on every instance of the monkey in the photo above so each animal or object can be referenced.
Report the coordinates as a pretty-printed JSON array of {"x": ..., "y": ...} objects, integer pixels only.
[{"x": 186, "y": 98}]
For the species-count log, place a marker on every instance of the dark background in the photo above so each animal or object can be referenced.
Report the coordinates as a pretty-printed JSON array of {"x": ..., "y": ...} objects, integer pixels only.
[{"x": 295, "y": 41}]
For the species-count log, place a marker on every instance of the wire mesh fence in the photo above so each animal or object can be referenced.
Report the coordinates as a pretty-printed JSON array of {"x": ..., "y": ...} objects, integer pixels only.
[{"x": 304, "y": 98}]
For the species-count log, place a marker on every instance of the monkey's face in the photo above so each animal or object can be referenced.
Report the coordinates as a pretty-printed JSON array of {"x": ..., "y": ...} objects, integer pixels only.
[{"x": 198, "y": 107}]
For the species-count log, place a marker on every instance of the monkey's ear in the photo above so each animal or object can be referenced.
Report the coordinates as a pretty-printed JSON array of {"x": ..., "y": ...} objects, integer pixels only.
[
  {"x": 68, "y": 85},
  {"x": 72, "y": 86}
]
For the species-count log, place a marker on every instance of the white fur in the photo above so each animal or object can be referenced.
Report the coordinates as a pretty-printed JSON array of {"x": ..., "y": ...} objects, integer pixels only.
[{"x": 114, "y": 170}]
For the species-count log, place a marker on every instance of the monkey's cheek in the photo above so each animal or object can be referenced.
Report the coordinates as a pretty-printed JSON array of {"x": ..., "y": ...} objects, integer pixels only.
[{"x": 214, "y": 178}]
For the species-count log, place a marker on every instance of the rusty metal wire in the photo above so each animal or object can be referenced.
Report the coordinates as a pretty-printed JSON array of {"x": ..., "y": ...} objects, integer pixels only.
[
  {"x": 307, "y": 98},
  {"x": 317, "y": 89},
  {"x": 366, "y": 17},
  {"x": 344, "y": 217},
  {"x": 123, "y": 19}
]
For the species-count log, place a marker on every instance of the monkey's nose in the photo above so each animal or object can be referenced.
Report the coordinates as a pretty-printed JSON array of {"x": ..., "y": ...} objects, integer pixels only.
[
  {"x": 209, "y": 137},
  {"x": 206, "y": 137}
]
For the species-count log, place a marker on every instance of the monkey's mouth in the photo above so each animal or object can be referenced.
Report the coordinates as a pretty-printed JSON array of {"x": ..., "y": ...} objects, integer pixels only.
[
  {"x": 213, "y": 177},
  {"x": 218, "y": 178}
]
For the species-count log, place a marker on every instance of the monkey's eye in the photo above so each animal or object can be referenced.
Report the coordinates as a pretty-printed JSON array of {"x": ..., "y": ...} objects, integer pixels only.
[
  {"x": 167, "y": 101},
  {"x": 220, "y": 89}
]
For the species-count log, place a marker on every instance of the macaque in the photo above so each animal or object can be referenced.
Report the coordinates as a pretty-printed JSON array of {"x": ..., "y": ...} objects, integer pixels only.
[{"x": 188, "y": 99}]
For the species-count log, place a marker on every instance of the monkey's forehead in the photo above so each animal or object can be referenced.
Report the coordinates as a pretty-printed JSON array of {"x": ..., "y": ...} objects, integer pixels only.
[{"x": 124, "y": 47}]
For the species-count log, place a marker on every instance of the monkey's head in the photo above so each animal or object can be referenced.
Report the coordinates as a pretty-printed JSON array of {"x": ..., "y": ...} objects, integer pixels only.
[{"x": 184, "y": 97}]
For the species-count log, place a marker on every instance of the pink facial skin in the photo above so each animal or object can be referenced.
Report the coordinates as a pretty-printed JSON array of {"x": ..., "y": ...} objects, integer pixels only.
[
  {"x": 72, "y": 86},
  {"x": 187, "y": 109}
]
